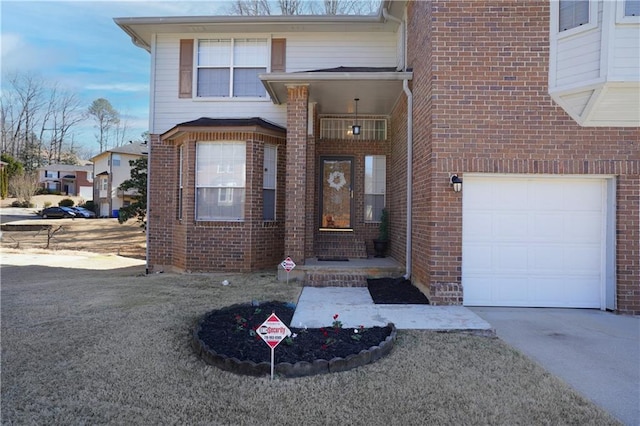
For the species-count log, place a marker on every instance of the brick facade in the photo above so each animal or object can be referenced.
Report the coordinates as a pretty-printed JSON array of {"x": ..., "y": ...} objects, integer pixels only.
[
  {"x": 203, "y": 246},
  {"x": 481, "y": 105}
]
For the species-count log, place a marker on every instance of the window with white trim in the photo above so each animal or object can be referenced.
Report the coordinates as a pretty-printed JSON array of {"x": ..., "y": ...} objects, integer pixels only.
[
  {"x": 104, "y": 183},
  {"x": 269, "y": 182},
  {"x": 230, "y": 67},
  {"x": 572, "y": 14},
  {"x": 632, "y": 8},
  {"x": 375, "y": 183},
  {"x": 220, "y": 180},
  {"x": 340, "y": 128}
]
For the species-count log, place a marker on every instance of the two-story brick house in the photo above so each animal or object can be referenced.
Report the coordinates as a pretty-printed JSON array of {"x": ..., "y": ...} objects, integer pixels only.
[
  {"x": 111, "y": 168},
  {"x": 67, "y": 179},
  {"x": 275, "y": 136}
]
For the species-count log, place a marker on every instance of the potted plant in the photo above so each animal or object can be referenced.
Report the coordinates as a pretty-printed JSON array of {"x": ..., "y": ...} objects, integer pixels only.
[{"x": 381, "y": 243}]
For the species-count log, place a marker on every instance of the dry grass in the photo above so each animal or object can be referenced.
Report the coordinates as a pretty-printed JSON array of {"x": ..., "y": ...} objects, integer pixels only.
[{"x": 86, "y": 346}]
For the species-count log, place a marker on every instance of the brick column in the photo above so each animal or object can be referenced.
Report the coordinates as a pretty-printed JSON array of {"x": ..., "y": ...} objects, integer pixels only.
[{"x": 296, "y": 176}]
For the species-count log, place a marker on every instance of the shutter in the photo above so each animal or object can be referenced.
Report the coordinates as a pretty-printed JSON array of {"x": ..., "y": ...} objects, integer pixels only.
[
  {"x": 185, "y": 85},
  {"x": 278, "y": 55}
]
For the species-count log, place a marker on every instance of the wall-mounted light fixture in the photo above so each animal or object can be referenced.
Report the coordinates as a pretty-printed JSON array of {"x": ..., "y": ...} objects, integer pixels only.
[
  {"x": 355, "y": 129},
  {"x": 456, "y": 183}
]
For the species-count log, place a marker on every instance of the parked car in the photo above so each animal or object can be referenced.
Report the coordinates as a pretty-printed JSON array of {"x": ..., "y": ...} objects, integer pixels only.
[
  {"x": 57, "y": 212},
  {"x": 82, "y": 212}
]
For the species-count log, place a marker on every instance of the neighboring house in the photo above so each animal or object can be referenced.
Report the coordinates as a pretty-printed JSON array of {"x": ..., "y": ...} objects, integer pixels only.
[
  {"x": 67, "y": 179},
  {"x": 111, "y": 168},
  {"x": 254, "y": 156}
]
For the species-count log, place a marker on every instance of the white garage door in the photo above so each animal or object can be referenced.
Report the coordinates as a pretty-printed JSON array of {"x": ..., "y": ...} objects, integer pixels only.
[{"x": 536, "y": 242}]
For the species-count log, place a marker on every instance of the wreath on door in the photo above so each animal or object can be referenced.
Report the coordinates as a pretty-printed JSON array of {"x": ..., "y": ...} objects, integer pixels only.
[{"x": 336, "y": 180}]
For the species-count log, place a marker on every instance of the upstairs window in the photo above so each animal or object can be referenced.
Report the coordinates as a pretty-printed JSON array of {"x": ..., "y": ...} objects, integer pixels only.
[
  {"x": 115, "y": 160},
  {"x": 229, "y": 68},
  {"x": 632, "y": 8},
  {"x": 573, "y": 14}
]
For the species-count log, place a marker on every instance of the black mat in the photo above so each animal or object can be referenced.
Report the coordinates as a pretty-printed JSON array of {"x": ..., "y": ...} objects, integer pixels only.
[{"x": 395, "y": 291}]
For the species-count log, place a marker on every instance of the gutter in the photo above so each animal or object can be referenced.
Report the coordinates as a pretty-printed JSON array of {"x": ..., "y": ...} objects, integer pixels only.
[{"x": 409, "y": 94}]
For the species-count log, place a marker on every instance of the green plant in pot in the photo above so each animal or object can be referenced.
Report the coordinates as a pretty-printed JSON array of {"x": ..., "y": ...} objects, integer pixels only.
[{"x": 381, "y": 243}]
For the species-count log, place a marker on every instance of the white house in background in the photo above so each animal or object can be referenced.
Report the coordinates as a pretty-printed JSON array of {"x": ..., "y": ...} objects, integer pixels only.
[
  {"x": 67, "y": 179},
  {"x": 110, "y": 169}
]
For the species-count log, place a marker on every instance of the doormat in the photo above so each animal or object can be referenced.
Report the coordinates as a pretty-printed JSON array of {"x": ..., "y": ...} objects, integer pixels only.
[{"x": 333, "y": 259}]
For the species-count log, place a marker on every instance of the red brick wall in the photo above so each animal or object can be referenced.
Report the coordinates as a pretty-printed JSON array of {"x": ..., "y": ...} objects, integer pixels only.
[
  {"x": 296, "y": 209},
  {"x": 481, "y": 105},
  {"x": 205, "y": 246}
]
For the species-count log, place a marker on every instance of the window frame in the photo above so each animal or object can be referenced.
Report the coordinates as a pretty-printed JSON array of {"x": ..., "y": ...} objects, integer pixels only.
[
  {"x": 229, "y": 190},
  {"x": 591, "y": 24},
  {"x": 273, "y": 214},
  {"x": 180, "y": 180},
  {"x": 366, "y": 185},
  {"x": 621, "y": 17},
  {"x": 231, "y": 67},
  {"x": 116, "y": 160}
]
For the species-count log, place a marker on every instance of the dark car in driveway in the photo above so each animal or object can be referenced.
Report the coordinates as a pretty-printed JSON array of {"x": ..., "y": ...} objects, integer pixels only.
[
  {"x": 82, "y": 212},
  {"x": 57, "y": 213}
]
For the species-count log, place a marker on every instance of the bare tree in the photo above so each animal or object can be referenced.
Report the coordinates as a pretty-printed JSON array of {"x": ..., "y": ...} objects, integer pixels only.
[
  {"x": 291, "y": 7},
  {"x": 23, "y": 186},
  {"x": 105, "y": 117},
  {"x": 250, "y": 7}
]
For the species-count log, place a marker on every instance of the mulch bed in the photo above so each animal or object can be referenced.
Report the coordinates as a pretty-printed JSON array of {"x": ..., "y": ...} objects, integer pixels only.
[
  {"x": 394, "y": 291},
  {"x": 231, "y": 332}
]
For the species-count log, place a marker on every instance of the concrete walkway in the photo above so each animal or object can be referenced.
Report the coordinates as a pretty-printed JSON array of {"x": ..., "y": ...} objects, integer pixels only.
[{"x": 317, "y": 306}]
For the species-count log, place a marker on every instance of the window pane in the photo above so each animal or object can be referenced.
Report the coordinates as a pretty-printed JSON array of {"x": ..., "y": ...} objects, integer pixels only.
[
  {"x": 573, "y": 13},
  {"x": 269, "y": 206},
  {"x": 632, "y": 8},
  {"x": 213, "y": 82},
  {"x": 220, "y": 203},
  {"x": 269, "y": 176},
  {"x": 373, "y": 205},
  {"x": 214, "y": 53},
  {"x": 247, "y": 83},
  {"x": 250, "y": 53}
]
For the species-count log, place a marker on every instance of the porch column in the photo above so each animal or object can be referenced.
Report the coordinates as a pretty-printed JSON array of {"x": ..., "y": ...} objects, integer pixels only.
[{"x": 296, "y": 175}]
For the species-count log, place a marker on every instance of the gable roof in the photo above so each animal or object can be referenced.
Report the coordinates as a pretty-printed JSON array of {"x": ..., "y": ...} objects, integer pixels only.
[{"x": 142, "y": 29}]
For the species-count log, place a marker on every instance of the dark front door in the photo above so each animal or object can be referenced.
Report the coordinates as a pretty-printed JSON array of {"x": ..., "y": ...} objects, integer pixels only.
[{"x": 336, "y": 193}]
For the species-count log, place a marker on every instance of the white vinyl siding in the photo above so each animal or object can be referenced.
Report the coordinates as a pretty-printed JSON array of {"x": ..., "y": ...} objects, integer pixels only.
[
  {"x": 305, "y": 51},
  {"x": 220, "y": 180},
  {"x": 375, "y": 182}
]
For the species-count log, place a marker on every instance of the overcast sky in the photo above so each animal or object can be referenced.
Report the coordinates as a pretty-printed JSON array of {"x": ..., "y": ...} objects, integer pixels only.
[{"x": 77, "y": 44}]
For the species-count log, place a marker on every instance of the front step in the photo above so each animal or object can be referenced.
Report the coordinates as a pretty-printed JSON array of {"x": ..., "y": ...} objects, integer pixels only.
[
  {"x": 339, "y": 245},
  {"x": 334, "y": 279}
]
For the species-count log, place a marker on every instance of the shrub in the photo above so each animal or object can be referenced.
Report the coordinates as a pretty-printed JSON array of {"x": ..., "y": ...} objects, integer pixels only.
[
  {"x": 89, "y": 205},
  {"x": 23, "y": 204},
  {"x": 66, "y": 202}
]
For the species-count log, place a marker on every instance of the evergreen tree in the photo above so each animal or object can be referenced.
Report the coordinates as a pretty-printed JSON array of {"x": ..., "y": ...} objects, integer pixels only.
[{"x": 138, "y": 181}]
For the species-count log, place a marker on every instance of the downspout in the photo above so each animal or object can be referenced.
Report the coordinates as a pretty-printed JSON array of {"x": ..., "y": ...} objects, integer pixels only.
[
  {"x": 409, "y": 95},
  {"x": 152, "y": 92}
]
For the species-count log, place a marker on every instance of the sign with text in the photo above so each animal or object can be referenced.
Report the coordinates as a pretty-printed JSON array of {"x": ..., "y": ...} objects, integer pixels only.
[
  {"x": 273, "y": 331},
  {"x": 288, "y": 264}
]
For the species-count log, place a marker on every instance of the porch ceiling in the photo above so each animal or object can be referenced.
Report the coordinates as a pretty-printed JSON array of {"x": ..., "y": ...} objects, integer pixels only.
[{"x": 334, "y": 92}]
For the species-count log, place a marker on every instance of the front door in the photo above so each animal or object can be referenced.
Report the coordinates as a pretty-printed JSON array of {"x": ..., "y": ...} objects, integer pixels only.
[{"x": 336, "y": 193}]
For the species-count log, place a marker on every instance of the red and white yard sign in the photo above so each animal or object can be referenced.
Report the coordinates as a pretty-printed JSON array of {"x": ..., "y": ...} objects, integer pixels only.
[
  {"x": 288, "y": 264},
  {"x": 273, "y": 331}
]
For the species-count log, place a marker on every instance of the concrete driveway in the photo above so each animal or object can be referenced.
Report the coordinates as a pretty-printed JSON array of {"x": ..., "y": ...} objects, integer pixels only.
[{"x": 595, "y": 352}]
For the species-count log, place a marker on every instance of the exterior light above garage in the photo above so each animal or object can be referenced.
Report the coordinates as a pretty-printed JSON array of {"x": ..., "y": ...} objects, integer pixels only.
[{"x": 456, "y": 183}]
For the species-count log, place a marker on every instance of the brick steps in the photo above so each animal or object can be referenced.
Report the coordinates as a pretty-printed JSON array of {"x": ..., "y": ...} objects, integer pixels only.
[
  {"x": 335, "y": 279},
  {"x": 339, "y": 245}
]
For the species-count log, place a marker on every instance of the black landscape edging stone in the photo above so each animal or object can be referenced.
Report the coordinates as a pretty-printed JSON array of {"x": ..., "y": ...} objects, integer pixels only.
[{"x": 286, "y": 369}]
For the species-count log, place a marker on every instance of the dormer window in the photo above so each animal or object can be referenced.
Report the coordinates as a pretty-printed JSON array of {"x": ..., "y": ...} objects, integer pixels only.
[{"x": 229, "y": 68}]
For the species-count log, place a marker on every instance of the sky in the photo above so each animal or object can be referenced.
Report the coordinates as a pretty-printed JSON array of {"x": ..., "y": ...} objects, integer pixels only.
[{"x": 77, "y": 45}]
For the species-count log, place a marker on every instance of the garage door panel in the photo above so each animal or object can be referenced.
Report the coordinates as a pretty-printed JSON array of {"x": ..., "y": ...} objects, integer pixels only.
[{"x": 543, "y": 246}]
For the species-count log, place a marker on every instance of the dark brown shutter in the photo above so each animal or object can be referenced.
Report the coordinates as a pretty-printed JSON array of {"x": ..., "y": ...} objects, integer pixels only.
[
  {"x": 278, "y": 55},
  {"x": 186, "y": 69}
]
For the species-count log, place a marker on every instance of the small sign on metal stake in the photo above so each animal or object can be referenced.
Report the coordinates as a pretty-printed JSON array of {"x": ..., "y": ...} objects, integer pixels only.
[
  {"x": 288, "y": 264},
  {"x": 273, "y": 331}
]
